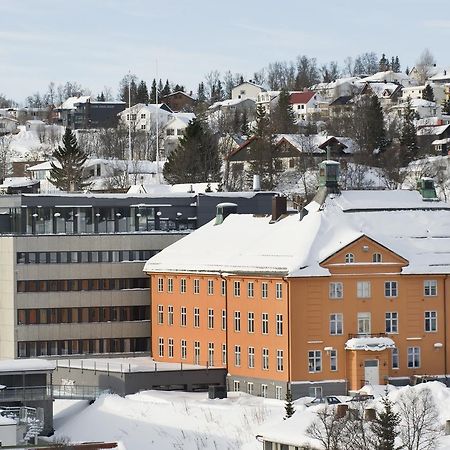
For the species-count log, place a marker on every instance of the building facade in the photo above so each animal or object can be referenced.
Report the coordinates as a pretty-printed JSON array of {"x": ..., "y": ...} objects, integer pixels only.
[
  {"x": 71, "y": 267},
  {"x": 352, "y": 290}
]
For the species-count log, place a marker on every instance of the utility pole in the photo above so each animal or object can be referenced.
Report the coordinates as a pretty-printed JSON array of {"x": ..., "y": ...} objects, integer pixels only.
[{"x": 129, "y": 128}]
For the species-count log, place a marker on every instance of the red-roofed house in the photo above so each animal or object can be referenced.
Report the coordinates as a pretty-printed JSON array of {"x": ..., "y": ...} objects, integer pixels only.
[{"x": 304, "y": 103}]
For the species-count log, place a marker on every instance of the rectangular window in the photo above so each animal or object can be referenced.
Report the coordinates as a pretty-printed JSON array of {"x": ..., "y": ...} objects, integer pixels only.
[
  {"x": 264, "y": 290},
  {"x": 336, "y": 326},
  {"x": 237, "y": 288},
  {"x": 160, "y": 284},
  {"x": 390, "y": 289},
  {"x": 210, "y": 318},
  {"x": 183, "y": 285},
  {"x": 237, "y": 355},
  {"x": 197, "y": 352},
  {"x": 250, "y": 388},
  {"x": 196, "y": 286},
  {"x": 237, "y": 321},
  {"x": 264, "y": 390},
  {"x": 391, "y": 320},
  {"x": 170, "y": 285},
  {"x": 210, "y": 287},
  {"x": 161, "y": 347},
  {"x": 279, "y": 324},
  {"x": 430, "y": 288},
  {"x": 251, "y": 357},
  {"x": 430, "y": 321},
  {"x": 280, "y": 362},
  {"x": 236, "y": 385},
  {"x": 170, "y": 347},
  {"x": 413, "y": 357},
  {"x": 160, "y": 314},
  {"x": 183, "y": 317},
  {"x": 224, "y": 319},
  {"x": 314, "y": 361},
  {"x": 211, "y": 354},
  {"x": 364, "y": 324},
  {"x": 265, "y": 323},
  {"x": 196, "y": 317},
  {"x": 279, "y": 291},
  {"x": 170, "y": 315},
  {"x": 278, "y": 392},
  {"x": 183, "y": 349},
  {"x": 224, "y": 288},
  {"x": 224, "y": 354},
  {"x": 363, "y": 289},
  {"x": 250, "y": 289},
  {"x": 394, "y": 358},
  {"x": 251, "y": 322},
  {"x": 336, "y": 290},
  {"x": 333, "y": 360},
  {"x": 265, "y": 359}
]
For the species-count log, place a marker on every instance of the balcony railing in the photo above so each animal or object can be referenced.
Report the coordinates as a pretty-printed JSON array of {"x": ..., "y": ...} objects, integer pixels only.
[
  {"x": 26, "y": 393},
  {"x": 365, "y": 335}
]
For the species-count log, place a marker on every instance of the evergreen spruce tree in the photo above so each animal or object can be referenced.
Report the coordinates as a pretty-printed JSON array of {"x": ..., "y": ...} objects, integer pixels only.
[
  {"x": 245, "y": 129},
  {"x": 397, "y": 67},
  {"x": 160, "y": 87},
  {"x": 385, "y": 427},
  {"x": 408, "y": 134},
  {"x": 376, "y": 131},
  {"x": 142, "y": 93},
  {"x": 68, "y": 174},
  {"x": 178, "y": 88},
  {"x": 428, "y": 94},
  {"x": 283, "y": 118},
  {"x": 133, "y": 92},
  {"x": 383, "y": 65},
  {"x": 289, "y": 405},
  {"x": 407, "y": 70},
  {"x": 152, "y": 97},
  {"x": 166, "y": 89},
  {"x": 101, "y": 97},
  {"x": 196, "y": 159}
]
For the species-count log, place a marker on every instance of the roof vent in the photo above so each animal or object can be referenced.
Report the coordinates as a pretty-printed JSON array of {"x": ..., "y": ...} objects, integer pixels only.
[
  {"x": 426, "y": 188},
  {"x": 329, "y": 175},
  {"x": 279, "y": 207},
  {"x": 224, "y": 210},
  {"x": 256, "y": 183}
]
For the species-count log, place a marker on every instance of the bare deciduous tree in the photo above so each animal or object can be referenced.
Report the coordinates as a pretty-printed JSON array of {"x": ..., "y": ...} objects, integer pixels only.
[
  {"x": 425, "y": 65},
  {"x": 420, "y": 419}
]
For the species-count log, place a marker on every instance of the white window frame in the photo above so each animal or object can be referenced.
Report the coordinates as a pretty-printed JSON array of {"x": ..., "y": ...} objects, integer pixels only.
[
  {"x": 251, "y": 357},
  {"x": 391, "y": 289},
  {"x": 210, "y": 287},
  {"x": 211, "y": 354},
  {"x": 161, "y": 347},
  {"x": 363, "y": 289},
  {"x": 364, "y": 318},
  {"x": 183, "y": 316},
  {"x": 349, "y": 258},
  {"x": 250, "y": 388},
  {"x": 210, "y": 318},
  {"x": 236, "y": 385},
  {"x": 431, "y": 321},
  {"x": 265, "y": 358},
  {"x": 265, "y": 323},
  {"x": 279, "y": 324},
  {"x": 250, "y": 289},
  {"x": 333, "y": 360},
  {"x": 196, "y": 286},
  {"x": 250, "y": 322},
  {"x": 224, "y": 320},
  {"x": 237, "y": 356},
  {"x": 183, "y": 347},
  {"x": 336, "y": 324},
  {"x": 280, "y": 360},
  {"x": 170, "y": 347},
  {"x": 160, "y": 314},
  {"x": 224, "y": 354},
  {"x": 237, "y": 288},
  {"x": 413, "y": 361},
  {"x": 279, "y": 291},
  {"x": 170, "y": 315},
  {"x": 197, "y": 352},
  {"x": 196, "y": 317},
  {"x": 336, "y": 290},
  {"x": 183, "y": 286},
  {"x": 170, "y": 285},
  {"x": 278, "y": 392},
  {"x": 395, "y": 361},
  {"x": 377, "y": 257},
  {"x": 264, "y": 290},
  {"x": 430, "y": 288},
  {"x": 264, "y": 390},
  {"x": 223, "y": 288},
  {"x": 391, "y": 319},
  {"x": 237, "y": 321},
  {"x": 160, "y": 284},
  {"x": 314, "y": 361}
]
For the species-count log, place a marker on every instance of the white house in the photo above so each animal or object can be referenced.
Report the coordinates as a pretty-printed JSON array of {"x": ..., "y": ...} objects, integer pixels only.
[
  {"x": 266, "y": 100},
  {"x": 416, "y": 92},
  {"x": 305, "y": 103},
  {"x": 342, "y": 87},
  {"x": 423, "y": 108},
  {"x": 389, "y": 76},
  {"x": 247, "y": 89},
  {"x": 441, "y": 77},
  {"x": 143, "y": 117},
  {"x": 8, "y": 125},
  {"x": 174, "y": 130}
]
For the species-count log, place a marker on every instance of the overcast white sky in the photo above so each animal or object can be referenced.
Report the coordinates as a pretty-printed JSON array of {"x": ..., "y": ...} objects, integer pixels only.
[{"x": 96, "y": 42}]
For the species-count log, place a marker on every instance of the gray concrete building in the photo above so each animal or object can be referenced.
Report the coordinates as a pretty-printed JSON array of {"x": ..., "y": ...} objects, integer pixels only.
[{"x": 71, "y": 280}]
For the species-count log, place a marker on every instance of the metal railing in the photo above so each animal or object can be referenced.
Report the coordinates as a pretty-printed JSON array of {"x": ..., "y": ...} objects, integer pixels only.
[
  {"x": 78, "y": 392},
  {"x": 365, "y": 335},
  {"x": 26, "y": 393}
]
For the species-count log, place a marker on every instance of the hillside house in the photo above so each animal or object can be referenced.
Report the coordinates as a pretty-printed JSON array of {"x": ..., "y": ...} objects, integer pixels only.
[
  {"x": 8, "y": 125},
  {"x": 246, "y": 90},
  {"x": 179, "y": 101}
]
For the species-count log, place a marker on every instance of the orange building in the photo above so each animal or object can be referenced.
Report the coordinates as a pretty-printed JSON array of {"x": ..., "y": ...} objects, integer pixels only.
[{"x": 352, "y": 290}]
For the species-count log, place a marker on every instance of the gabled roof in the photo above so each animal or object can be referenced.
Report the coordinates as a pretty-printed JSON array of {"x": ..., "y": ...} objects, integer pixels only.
[
  {"x": 416, "y": 230},
  {"x": 301, "y": 97},
  {"x": 178, "y": 93},
  {"x": 249, "y": 82},
  {"x": 341, "y": 101},
  {"x": 433, "y": 131}
]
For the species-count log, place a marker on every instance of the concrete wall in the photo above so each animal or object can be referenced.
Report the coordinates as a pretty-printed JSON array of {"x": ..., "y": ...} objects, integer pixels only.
[{"x": 8, "y": 435}]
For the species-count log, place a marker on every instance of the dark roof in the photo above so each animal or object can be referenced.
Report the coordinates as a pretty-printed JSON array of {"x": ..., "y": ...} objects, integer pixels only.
[
  {"x": 341, "y": 101},
  {"x": 301, "y": 97}
]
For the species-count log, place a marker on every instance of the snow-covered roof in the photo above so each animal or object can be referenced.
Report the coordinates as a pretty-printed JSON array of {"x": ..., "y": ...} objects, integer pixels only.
[
  {"x": 336, "y": 83},
  {"x": 443, "y": 74},
  {"x": 428, "y": 131},
  {"x": 441, "y": 141},
  {"x": 230, "y": 102},
  {"x": 381, "y": 89},
  {"x": 17, "y": 182},
  {"x": 417, "y": 103},
  {"x": 374, "y": 344},
  {"x": 185, "y": 118},
  {"x": 390, "y": 76},
  {"x": 70, "y": 102},
  {"x": 26, "y": 365},
  {"x": 167, "y": 189},
  {"x": 417, "y": 230}
]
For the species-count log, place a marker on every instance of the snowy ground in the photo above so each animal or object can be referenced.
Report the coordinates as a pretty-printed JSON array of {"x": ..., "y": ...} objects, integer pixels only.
[{"x": 180, "y": 420}]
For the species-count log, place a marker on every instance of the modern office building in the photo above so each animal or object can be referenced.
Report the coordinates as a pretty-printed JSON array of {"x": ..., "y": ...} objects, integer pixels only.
[
  {"x": 351, "y": 290},
  {"x": 71, "y": 266}
]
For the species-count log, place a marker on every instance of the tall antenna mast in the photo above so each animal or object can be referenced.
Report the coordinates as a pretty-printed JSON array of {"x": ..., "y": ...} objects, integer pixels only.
[
  {"x": 129, "y": 126},
  {"x": 158, "y": 177}
]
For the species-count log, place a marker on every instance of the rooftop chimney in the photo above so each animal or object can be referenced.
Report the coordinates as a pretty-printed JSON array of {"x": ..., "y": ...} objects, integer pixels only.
[
  {"x": 256, "y": 183},
  {"x": 279, "y": 207},
  {"x": 224, "y": 210},
  {"x": 329, "y": 175},
  {"x": 426, "y": 188}
]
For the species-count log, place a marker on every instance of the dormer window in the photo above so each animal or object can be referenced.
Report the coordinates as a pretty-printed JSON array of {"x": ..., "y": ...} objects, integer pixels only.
[
  {"x": 349, "y": 258},
  {"x": 376, "y": 258}
]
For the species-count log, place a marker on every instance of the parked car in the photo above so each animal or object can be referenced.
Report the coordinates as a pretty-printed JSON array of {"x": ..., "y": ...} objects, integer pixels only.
[
  {"x": 361, "y": 398},
  {"x": 328, "y": 400}
]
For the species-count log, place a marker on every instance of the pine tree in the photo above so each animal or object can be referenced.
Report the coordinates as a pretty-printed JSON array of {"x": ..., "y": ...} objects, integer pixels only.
[
  {"x": 397, "y": 67},
  {"x": 196, "y": 159},
  {"x": 289, "y": 405},
  {"x": 283, "y": 118},
  {"x": 68, "y": 174},
  {"x": 142, "y": 93},
  {"x": 385, "y": 427},
  {"x": 428, "y": 94},
  {"x": 166, "y": 89},
  {"x": 101, "y": 97},
  {"x": 178, "y": 88},
  {"x": 152, "y": 98},
  {"x": 408, "y": 134},
  {"x": 377, "y": 133},
  {"x": 407, "y": 70},
  {"x": 245, "y": 129},
  {"x": 383, "y": 65},
  {"x": 160, "y": 87}
]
